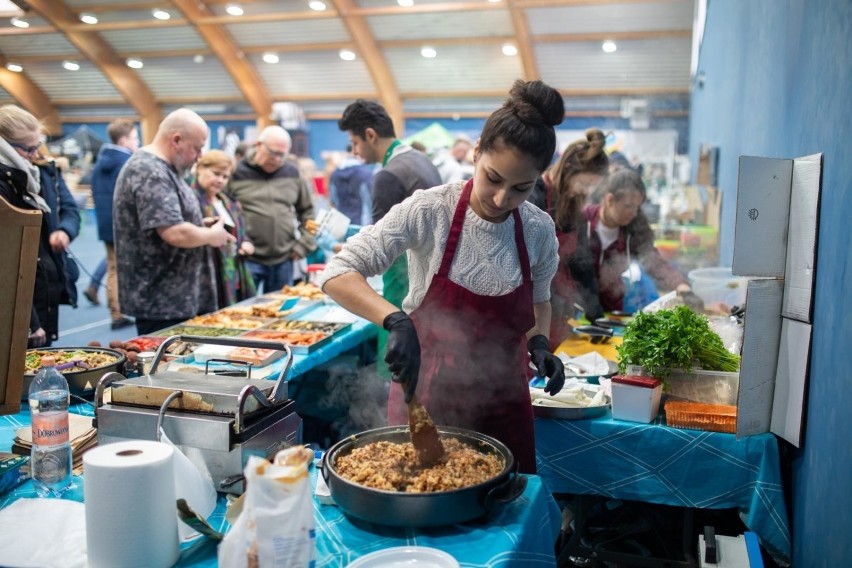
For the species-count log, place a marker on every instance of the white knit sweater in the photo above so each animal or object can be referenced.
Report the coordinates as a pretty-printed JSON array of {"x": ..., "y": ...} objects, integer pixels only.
[{"x": 486, "y": 260}]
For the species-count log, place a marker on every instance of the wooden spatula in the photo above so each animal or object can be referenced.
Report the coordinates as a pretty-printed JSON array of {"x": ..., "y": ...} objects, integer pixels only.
[{"x": 424, "y": 434}]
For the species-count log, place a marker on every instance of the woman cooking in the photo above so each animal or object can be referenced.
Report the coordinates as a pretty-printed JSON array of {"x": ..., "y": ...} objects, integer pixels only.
[
  {"x": 562, "y": 191},
  {"x": 619, "y": 233},
  {"x": 233, "y": 280},
  {"x": 480, "y": 263}
]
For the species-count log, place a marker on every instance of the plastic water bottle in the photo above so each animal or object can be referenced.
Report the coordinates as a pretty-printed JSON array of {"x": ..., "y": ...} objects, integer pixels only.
[{"x": 50, "y": 462}]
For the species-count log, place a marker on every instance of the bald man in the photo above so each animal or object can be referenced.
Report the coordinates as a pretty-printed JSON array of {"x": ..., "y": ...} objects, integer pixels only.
[
  {"x": 160, "y": 236},
  {"x": 276, "y": 202}
]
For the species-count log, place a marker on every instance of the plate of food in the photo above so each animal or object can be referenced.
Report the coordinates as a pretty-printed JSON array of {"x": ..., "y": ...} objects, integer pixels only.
[{"x": 576, "y": 401}]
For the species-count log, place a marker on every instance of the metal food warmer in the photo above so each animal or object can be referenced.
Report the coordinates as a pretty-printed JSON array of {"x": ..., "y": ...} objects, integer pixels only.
[{"x": 218, "y": 420}]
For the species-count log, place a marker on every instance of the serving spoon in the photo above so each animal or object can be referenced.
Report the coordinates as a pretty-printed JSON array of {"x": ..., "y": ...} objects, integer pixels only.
[{"x": 424, "y": 433}]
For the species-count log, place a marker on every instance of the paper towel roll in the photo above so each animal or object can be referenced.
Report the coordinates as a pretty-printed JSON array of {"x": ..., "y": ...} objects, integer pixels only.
[{"x": 130, "y": 505}]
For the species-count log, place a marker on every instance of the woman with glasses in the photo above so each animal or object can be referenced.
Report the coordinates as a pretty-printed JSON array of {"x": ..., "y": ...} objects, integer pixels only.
[{"x": 26, "y": 184}]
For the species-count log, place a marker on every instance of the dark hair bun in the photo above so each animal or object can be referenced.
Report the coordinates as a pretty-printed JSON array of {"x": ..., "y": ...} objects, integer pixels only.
[
  {"x": 536, "y": 102},
  {"x": 597, "y": 142}
]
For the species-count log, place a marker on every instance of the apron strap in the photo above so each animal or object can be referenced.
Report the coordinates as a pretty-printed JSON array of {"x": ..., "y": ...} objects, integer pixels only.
[
  {"x": 455, "y": 230},
  {"x": 455, "y": 234}
]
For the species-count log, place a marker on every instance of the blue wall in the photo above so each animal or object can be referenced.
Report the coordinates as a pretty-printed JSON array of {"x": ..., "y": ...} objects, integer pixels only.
[{"x": 778, "y": 81}]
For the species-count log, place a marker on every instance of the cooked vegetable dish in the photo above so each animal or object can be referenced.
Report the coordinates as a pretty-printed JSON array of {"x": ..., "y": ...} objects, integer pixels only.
[
  {"x": 396, "y": 467},
  {"x": 69, "y": 361}
]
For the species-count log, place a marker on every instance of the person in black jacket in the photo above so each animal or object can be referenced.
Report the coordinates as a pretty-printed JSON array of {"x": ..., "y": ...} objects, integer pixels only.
[{"x": 29, "y": 186}]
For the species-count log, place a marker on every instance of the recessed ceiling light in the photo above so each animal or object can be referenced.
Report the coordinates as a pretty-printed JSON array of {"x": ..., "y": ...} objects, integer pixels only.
[
  {"x": 234, "y": 9},
  {"x": 493, "y": 1},
  {"x": 405, "y": 3},
  {"x": 14, "y": 67},
  {"x": 428, "y": 52},
  {"x": 317, "y": 5},
  {"x": 347, "y": 55},
  {"x": 88, "y": 18},
  {"x": 19, "y": 22},
  {"x": 509, "y": 49},
  {"x": 71, "y": 65},
  {"x": 160, "y": 14},
  {"x": 270, "y": 57},
  {"x": 134, "y": 63},
  {"x": 198, "y": 58},
  {"x": 609, "y": 46}
]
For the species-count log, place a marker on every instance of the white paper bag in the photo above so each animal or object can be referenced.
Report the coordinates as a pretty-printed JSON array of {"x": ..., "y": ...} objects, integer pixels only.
[{"x": 276, "y": 526}]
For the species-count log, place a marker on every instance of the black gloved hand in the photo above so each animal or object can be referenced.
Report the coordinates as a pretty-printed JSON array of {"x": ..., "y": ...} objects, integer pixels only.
[
  {"x": 594, "y": 311},
  {"x": 692, "y": 301},
  {"x": 546, "y": 363},
  {"x": 403, "y": 351}
]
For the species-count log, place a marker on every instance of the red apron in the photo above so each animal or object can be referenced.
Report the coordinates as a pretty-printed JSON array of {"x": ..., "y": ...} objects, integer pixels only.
[
  {"x": 473, "y": 352},
  {"x": 563, "y": 289}
]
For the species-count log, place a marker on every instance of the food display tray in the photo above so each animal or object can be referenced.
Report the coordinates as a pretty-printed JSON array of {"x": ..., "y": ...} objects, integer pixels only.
[
  {"x": 329, "y": 327},
  {"x": 228, "y": 321},
  {"x": 282, "y": 336},
  {"x": 574, "y": 413},
  {"x": 183, "y": 329}
]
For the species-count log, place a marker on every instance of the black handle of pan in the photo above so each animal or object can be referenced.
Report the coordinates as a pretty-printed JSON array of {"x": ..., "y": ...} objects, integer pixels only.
[{"x": 505, "y": 492}]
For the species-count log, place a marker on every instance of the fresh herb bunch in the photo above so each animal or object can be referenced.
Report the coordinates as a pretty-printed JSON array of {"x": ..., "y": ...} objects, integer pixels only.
[{"x": 674, "y": 339}]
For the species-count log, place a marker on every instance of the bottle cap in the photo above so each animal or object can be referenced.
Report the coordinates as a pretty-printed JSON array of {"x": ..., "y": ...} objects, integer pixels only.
[{"x": 48, "y": 361}]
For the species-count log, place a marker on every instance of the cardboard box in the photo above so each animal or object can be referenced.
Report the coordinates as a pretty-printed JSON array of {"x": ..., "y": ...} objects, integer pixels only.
[{"x": 773, "y": 194}]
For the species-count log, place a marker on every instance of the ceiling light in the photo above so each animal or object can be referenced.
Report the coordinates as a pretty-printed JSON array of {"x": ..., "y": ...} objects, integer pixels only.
[
  {"x": 347, "y": 55},
  {"x": 609, "y": 46},
  {"x": 19, "y": 22},
  {"x": 493, "y": 1},
  {"x": 405, "y": 3},
  {"x": 270, "y": 57},
  {"x": 317, "y": 5},
  {"x": 71, "y": 65},
  {"x": 428, "y": 52},
  {"x": 134, "y": 63},
  {"x": 234, "y": 9},
  {"x": 509, "y": 49},
  {"x": 14, "y": 67},
  {"x": 88, "y": 18},
  {"x": 160, "y": 14},
  {"x": 198, "y": 58}
]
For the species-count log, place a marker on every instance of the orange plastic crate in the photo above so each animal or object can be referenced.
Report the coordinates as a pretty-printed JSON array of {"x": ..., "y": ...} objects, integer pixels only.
[{"x": 701, "y": 416}]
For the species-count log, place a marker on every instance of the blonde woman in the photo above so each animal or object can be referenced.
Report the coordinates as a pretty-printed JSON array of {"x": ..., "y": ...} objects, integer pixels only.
[
  {"x": 233, "y": 279},
  {"x": 27, "y": 185}
]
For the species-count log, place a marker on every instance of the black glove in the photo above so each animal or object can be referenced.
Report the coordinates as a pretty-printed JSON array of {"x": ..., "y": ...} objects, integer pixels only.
[
  {"x": 403, "y": 351},
  {"x": 692, "y": 301},
  {"x": 546, "y": 363}
]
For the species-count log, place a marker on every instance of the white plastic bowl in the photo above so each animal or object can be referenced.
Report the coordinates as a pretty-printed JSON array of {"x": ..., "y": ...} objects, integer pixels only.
[{"x": 406, "y": 557}]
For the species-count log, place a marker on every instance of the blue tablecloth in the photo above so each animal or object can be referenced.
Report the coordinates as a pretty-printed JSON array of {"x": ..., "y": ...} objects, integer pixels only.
[
  {"x": 659, "y": 464},
  {"x": 521, "y": 533}
]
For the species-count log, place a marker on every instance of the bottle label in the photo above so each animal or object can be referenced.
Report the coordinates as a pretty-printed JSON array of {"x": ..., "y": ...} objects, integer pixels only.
[{"x": 50, "y": 429}]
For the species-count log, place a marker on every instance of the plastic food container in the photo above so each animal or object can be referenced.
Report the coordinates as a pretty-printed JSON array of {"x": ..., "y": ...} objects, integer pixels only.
[
  {"x": 636, "y": 398},
  {"x": 718, "y": 285}
]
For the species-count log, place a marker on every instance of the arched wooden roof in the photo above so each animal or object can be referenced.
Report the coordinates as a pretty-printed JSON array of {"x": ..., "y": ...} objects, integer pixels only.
[{"x": 215, "y": 62}]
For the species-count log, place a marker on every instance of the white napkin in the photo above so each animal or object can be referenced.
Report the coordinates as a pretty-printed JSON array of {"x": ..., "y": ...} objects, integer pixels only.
[
  {"x": 321, "y": 490},
  {"x": 591, "y": 363},
  {"x": 43, "y": 533}
]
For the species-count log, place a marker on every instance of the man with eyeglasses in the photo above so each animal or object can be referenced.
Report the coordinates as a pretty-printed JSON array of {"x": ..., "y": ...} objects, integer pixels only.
[{"x": 276, "y": 203}]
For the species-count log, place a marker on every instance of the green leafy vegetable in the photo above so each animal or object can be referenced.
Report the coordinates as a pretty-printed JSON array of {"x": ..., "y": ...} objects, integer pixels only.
[{"x": 675, "y": 338}]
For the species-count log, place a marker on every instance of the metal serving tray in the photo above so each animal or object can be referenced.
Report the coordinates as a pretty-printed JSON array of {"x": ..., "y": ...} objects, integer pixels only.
[{"x": 258, "y": 335}]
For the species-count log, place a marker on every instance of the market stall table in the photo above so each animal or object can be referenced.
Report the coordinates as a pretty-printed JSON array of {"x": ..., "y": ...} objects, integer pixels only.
[
  {"x": 659, "y": 464},
  {"x": 521, "y": 533}
]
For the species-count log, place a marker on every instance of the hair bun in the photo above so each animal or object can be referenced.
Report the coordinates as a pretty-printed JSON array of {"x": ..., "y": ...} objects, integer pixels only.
[{"x": 535, "y": 102}]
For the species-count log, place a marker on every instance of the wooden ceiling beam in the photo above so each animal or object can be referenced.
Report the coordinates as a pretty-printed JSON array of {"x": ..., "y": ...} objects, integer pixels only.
[
  {"x": 523, "y": 40},
  {"x": 30, "y": 96},
  {"x": 243, "y": 73},
  {"x": 374, "y": 58},
  {"x": 98, "y": 51},
  {"x": 385, "y": 44}
]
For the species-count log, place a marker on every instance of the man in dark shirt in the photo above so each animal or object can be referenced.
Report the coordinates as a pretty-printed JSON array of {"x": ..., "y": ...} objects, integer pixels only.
[
  {"x": 404, "y": 170},
  {"x": 158, "y": 229}
]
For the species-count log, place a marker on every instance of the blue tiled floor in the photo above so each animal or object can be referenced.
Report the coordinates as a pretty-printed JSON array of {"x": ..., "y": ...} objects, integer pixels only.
[{"x": 86, "y": 323}]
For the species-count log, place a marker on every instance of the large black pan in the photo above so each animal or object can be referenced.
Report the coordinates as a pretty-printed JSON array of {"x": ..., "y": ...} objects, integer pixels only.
[{"x": 439, "y": 508}]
